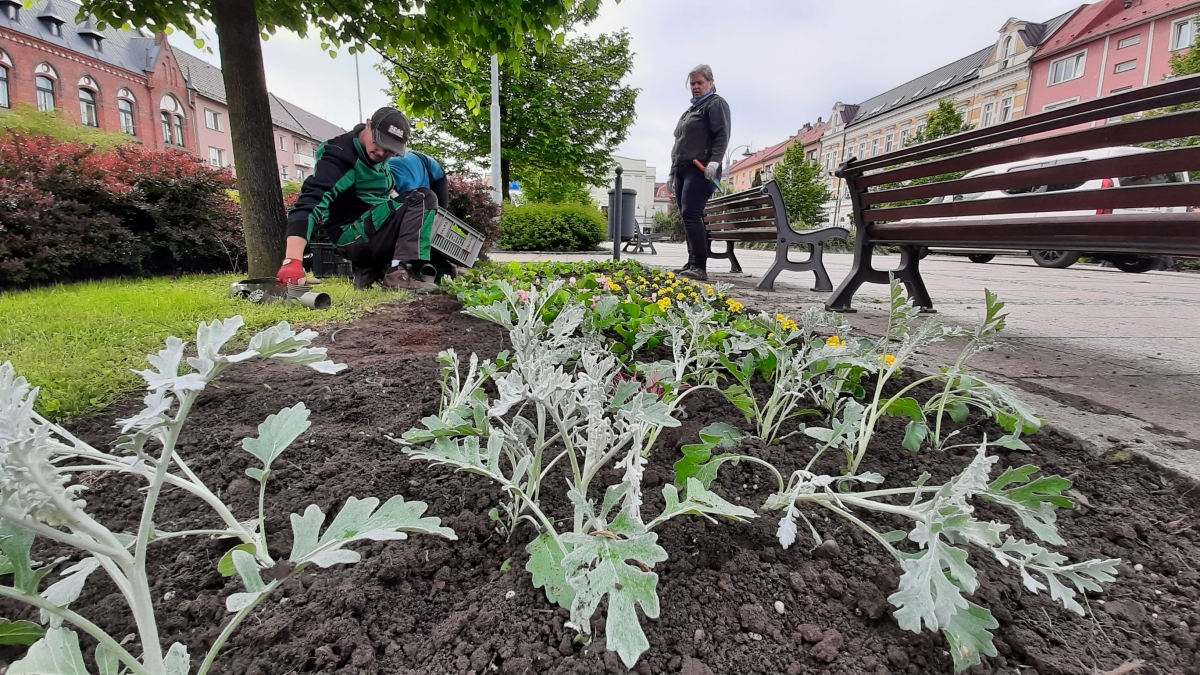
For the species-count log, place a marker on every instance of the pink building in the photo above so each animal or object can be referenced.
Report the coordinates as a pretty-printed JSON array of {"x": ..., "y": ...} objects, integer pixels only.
[{"x": 1109, "y": 47}]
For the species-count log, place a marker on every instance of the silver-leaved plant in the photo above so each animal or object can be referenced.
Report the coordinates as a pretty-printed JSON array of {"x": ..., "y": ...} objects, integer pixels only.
[{"x": 38, "y": 498}]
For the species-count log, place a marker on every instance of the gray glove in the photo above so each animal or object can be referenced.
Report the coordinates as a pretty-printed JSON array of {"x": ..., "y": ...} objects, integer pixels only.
[{"x": 710, "y": 171}]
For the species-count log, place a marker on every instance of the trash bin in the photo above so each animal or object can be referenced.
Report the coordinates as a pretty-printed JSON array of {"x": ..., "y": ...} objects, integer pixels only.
[{"x": 628, "y": 212}]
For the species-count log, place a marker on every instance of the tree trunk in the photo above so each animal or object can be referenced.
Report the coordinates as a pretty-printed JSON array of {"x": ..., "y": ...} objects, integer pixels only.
[
  {"x": 264, "y": 220},
  {"x": 506, "y": 177}
]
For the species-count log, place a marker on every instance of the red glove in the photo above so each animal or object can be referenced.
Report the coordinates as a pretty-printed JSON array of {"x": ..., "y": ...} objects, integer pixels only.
[{"x": 292, "y": 272}]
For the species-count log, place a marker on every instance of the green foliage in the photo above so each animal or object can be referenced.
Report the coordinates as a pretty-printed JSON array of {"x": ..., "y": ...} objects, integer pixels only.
[
  {"x": 552, "y": 227},
  {"x": 30, "y": 121},
  {"x": 943, "y": 121},
  {"x": 805, "y": 190},
  {"x": 67, "y": 339},
  {"x": 1182, "y": 64},
  {"x": 540, "y": 187},
  {"x": 670, "y": 223},
  {"x": 757, "y": 182},
  {"x": 291, "y": 187},
  {"x": 563, "y": 111}
]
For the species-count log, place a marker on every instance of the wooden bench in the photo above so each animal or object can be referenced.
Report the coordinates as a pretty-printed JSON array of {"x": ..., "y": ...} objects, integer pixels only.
[
  {"x": 641, "y": 241},
  {"x": 997, "y": 223},
  {"x": 758, "y": 214}
]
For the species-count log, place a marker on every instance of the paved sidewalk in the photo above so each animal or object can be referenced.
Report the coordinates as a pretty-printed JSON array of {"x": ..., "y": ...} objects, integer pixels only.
[{"x": 1101, "y": 341}]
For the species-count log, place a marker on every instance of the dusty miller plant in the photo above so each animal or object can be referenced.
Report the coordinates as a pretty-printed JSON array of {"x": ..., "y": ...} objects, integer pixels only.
[
  {"x": 38, "y": 498},
  {"x": 561, "y": 404},
  {"x": 936, "y": 570}
]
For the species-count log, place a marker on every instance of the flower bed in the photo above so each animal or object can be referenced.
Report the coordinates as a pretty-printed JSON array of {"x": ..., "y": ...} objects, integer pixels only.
[{"x": 433, "y": 606}]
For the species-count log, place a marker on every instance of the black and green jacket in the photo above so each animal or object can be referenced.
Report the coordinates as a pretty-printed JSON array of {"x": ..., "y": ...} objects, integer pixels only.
[{"x": 345, "y": 185}]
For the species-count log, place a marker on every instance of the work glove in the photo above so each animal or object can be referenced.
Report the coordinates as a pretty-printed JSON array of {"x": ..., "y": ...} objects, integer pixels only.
[
  {"x": 292, "y": 272},
  {"x": 710, "y": 171}
]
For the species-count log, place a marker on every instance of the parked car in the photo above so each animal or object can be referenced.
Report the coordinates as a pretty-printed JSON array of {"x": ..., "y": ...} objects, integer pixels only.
[{"x": 1126, "y": 262}]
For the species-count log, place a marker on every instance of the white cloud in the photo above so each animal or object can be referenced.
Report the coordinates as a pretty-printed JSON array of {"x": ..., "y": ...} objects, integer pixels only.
[{"x": 779, "y": 63}]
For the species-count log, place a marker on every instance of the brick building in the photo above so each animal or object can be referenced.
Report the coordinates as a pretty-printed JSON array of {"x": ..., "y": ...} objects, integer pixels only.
[{"x": 134, "y": 83}]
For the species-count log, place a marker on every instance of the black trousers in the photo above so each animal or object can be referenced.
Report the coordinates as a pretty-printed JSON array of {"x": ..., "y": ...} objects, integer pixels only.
[
  {"x": 692, "y": 191},
  {"x": 390, "y": 233}
]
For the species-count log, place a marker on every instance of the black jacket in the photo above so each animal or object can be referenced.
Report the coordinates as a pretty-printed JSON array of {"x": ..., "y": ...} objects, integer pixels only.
[
  {"x": 702, "y": 133},
  {"x": 344, "y": 185}
]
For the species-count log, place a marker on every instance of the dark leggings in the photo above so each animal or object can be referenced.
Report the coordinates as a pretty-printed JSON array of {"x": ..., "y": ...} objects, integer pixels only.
[{"x": 692, "y": 191}]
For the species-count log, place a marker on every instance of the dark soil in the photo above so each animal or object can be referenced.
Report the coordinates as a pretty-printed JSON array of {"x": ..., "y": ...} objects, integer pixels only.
[{"x": 427, "y": 605}]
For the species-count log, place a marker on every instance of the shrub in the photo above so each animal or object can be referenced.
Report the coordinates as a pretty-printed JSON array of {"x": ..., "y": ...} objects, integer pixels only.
[
  {"x": 72, "y": 211},
  {"x": 30, "y": 121},
  {"x": 553, "y": 227},
  {"x": 670, "y": 224},
  {"x": 471, "y": 202}
]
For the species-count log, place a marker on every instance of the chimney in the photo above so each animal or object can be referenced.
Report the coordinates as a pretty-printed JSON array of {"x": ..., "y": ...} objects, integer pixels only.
[{"x": 1128, "y": 4}]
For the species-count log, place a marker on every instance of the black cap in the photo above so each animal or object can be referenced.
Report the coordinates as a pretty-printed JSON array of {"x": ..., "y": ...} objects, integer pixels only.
[{"x": 390, "y": 130}]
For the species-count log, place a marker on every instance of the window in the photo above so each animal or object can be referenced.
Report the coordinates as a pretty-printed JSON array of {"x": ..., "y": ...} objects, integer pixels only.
[
  {"x": 989, "y": 110},
  {"x": 282, "y": 143},
  {"x": 53, "y": 27},
  {"x": 874, "y": 147},
  {"x": 166, "y": 127},
  {"x": 1061, "y": 104},
  {"x": 125, "y": 112},
  {"x": 1125, "y": 67},
  {"x": 45, "y": 93},
  {"x": 300, "y": 175},
  {"x": 1009, "y": 47},
  {"x": 216, "y": 157},
  {"x": 1069, "y": 68},
  {"x": 87, "y": 108},
  {"x": 904, "y": 138},
  {"x": 179, "y": 131},
  {"x": 918, "y": 92},
  {"x": 1129, "y": 42},
  {"x": 862, "y": 150},
  {"x": 13, "y": 12},
  {"x": 4, "y": 87},
  {"x": 1183, "y": 34},
  {"x": 888, "y": 144},
  {"x": 943, "y": 82},
  {"x": 212, "y": 120},
  {"x": 283, "y": 169},
  {"x": 1006, "y": 109}
]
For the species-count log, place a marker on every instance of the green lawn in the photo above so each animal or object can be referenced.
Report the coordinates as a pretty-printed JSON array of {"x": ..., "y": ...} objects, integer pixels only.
[{"x": 78, "y": 342}]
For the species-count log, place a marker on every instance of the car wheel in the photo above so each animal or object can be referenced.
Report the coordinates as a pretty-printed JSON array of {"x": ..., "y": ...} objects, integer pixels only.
[
  {"x": 1055, "y": 259},
  {"x": 1136, "y": 264},
  {"x": 980, "y": 257}
]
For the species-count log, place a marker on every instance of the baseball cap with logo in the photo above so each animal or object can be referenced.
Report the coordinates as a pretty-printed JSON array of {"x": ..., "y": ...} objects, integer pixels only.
[{"x": 390, "y": 130}]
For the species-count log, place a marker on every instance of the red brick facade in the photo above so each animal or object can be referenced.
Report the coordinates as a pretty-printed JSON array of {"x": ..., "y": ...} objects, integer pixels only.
[{"x": 27, "y": 54}]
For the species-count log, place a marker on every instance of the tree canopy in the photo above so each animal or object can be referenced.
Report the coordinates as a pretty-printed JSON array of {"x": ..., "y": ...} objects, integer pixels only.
[
  {"x": 944, "y": 121},
  {"x": 563, "y": 109},
  {"x": 803, "y": 185}
]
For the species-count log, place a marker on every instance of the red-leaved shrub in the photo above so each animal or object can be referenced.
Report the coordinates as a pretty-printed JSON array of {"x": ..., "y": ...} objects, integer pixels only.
[
  {"x": 471, "y": 201},
  {"x": 69, "y": 212}
]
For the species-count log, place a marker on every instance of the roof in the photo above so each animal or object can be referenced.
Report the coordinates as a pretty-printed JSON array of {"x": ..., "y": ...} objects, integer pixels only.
[
  {"x": 203, "y": 76},
  {"x": 759, "y": 157},
  {"x": 813, "y": 135},
  {"x": 134, "y": 50},
  {"x": 1107, "y": 16},
  {"x": 209, "y": 82},
  {"x": 929, "y": 85},
  {"x": 935, "y": 83}
]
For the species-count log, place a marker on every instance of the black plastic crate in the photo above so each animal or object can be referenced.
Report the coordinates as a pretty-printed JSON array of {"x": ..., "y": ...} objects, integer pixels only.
[{"x": 326, "y": 263}]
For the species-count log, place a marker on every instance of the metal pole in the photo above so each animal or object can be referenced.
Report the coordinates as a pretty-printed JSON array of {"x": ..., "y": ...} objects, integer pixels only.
[
  {"x": 358, "y": 85},
  {"x": 496, "y": 173},
  {"x": 615, "y": 216}
]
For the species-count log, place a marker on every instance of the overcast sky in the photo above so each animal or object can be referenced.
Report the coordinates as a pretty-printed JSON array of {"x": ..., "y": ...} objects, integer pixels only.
[{"x": 779, "y": 63}]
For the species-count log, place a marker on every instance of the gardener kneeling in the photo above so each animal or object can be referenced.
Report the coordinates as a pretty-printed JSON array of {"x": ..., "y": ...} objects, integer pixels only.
[{"x": 350, "y": 194}]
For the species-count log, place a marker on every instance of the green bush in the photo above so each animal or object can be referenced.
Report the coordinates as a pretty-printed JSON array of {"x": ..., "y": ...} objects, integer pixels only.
[
  {"x": 30, "y": 121},
  {"x": 552, "y": 227}
]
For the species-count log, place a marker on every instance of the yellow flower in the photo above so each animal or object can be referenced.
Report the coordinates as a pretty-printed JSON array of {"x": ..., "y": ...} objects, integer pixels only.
[
  {"x": 780, "y": 318},
  {"x": 734, "y": 306},
  {"x": 670, "y": 275},
  {"x": 835, "y": 341},
  {"x": 615, "y": 287},
  {"x": 770, "y": 335},
  {"x": 708, "y": 289},
  {"x": 681, "y": 296},
  {"x": 720, "y": 296},
  {"x": 790, "y": 325},
  {"x": 664, "y": 304},
  {"x": 888, "y": 359}
]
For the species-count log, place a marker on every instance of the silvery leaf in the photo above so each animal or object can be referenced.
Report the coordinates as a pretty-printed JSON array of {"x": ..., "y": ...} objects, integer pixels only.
[
  {"x": 277, "y": 433},
  {"x": 56, "y": 654},
  {"x": 67, "y": 589}
]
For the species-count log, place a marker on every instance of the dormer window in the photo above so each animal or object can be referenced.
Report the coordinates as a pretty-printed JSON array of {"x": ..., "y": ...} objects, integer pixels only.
[
  {"x": 52, "y": 19},
  {"x": 11, "y": 9},
  {"x": 90, "y": 34},
  {"x": 943, "y": 83},
  {"x": 53, "y": 27},
  {"x": 1010, "y": 48}
]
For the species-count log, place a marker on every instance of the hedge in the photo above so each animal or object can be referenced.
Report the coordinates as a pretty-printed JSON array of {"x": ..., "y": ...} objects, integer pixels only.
[
  {"x": 552, "y": 227},
  {"x": 71, "y": 211}
]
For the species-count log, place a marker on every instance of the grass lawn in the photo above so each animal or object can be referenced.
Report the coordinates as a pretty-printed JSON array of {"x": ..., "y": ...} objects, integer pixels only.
[{"x": 78, "y": 342}]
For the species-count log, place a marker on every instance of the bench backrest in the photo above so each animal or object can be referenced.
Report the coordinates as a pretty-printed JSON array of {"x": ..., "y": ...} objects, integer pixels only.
[
  {"x": 879, "y": 184},
  {"x": 759, "y": 208}
]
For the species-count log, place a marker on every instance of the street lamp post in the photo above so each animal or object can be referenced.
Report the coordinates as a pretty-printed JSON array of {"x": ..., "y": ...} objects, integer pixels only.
[{"x": 728, "y": 166}]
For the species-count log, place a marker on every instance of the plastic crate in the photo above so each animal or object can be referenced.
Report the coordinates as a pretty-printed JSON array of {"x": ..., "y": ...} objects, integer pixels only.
[
  {"x": 326, "y": 263},
  {"x": 455, "y": 239}
]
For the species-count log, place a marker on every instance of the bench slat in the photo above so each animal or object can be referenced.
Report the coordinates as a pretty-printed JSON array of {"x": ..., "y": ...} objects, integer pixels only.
[
  {"x": 1143, "y": 164},
  {"x": 748, "y": 203},
  {"x": 744, "y": 225},
  {"x": 1146, "y": 196},
  {"x": 1156, "y": 233},
  {"x": 732, "y": 216},
  {"x": 1170, "y": 92},
  {"x": 1176, "y": 125},
  {"x": 744, "y": 235}
]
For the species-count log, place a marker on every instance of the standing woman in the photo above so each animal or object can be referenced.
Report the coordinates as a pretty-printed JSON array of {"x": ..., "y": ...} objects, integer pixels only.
[{"x": 701, "y": 136}]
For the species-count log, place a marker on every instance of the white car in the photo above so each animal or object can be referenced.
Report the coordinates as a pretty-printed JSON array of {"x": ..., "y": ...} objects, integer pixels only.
[{"x": 1126, "y": 262}]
